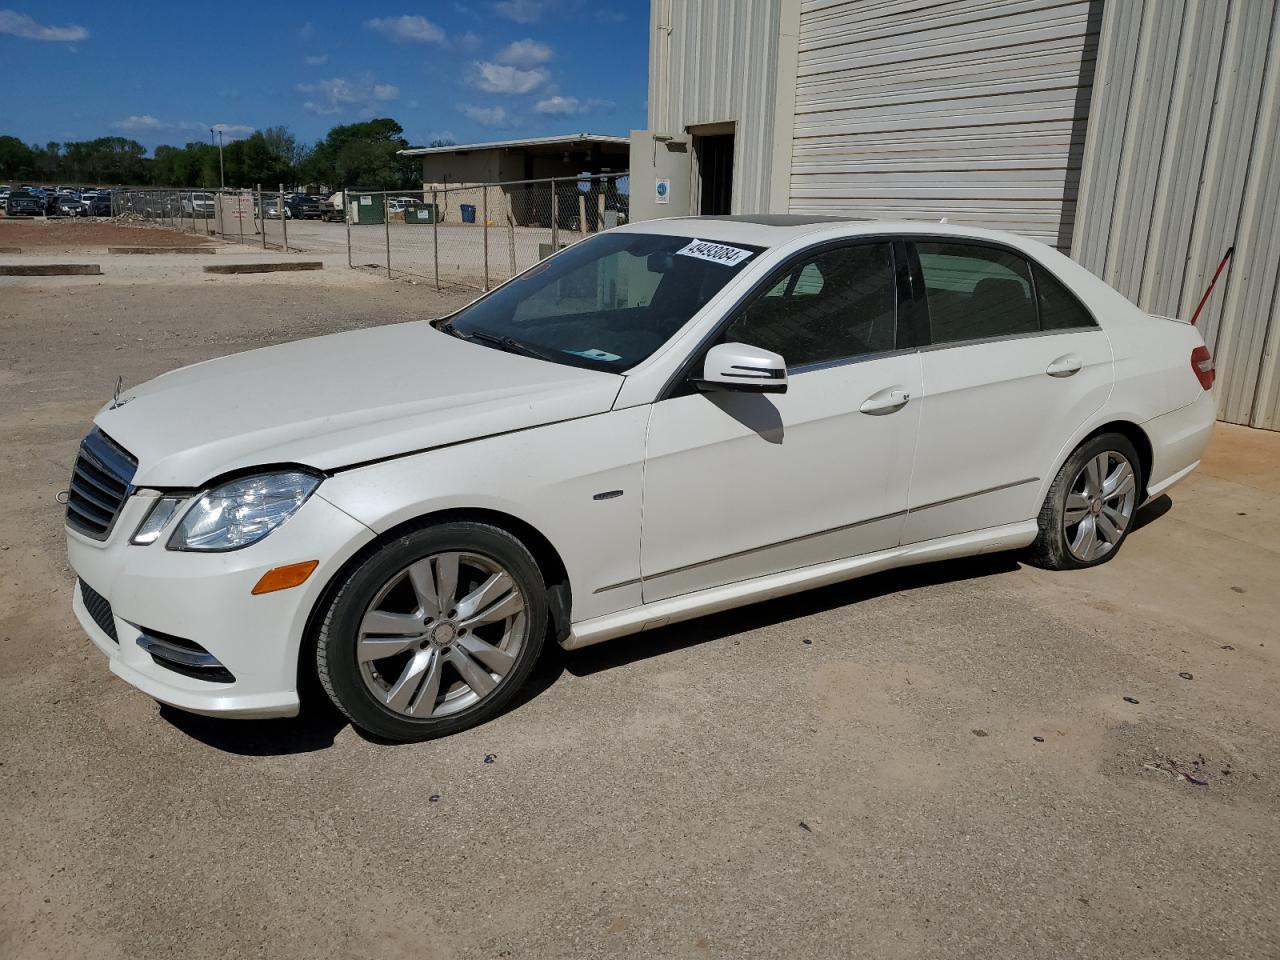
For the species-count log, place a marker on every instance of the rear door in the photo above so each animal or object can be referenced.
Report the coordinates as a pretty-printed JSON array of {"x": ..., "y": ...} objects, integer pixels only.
[
  {"x": 741, "y": 485},
  {"x": 1014, "y": 365}
]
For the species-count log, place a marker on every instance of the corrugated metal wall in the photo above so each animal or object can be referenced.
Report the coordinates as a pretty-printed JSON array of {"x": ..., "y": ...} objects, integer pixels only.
[
  {"x": 1183, "y": 160},
  {"x": 718, "y": 62},
  {"x": 969, "y": 109}
]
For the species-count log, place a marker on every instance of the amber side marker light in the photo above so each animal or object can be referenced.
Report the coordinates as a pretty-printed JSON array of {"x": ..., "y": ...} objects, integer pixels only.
[{"x": 282, "y": 578}]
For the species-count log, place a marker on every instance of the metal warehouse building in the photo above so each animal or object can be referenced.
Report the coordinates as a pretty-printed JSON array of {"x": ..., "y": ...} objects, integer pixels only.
[{"x": 1142, "y": 137}]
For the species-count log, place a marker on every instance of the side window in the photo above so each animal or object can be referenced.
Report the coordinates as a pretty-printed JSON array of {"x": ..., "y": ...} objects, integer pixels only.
[
  {"x": 834, "y": 305},
  {"x": 1059, "y": 310},
  {"x": 976, "y": 292}
]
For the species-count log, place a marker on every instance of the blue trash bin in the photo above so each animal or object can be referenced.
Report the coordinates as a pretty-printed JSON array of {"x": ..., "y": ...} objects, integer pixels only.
[{"x": 468, "y": 213}]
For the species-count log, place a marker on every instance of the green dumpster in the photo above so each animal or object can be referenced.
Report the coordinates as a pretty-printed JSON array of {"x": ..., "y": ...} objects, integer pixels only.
[
  {"x": 419, "y": 212},
  {"x": 366, "y": 208}
]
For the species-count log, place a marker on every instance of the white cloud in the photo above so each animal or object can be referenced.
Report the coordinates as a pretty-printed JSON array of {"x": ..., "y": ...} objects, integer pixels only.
[
  {"x": 362, "y": 93},
  {"x": 407, "y": 29},
  {"x": 319, "y": 60},
  {"x": 230, "y": 131},
  {"x": 558, "y": 106},
  {"x": 469, "y": 41},
  {"x": 525, "y": 53},
  {"x": 486, "y": 116},
  {"x": 521, "y": 11},
  {"x": 146, "y": 123},
  {"x": 503, "y": 78},
  {"x": 21, "y": 25},
  {"x": 138, "y": 124}
]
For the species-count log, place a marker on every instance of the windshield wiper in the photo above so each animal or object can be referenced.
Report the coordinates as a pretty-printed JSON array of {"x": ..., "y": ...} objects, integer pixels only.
[
  {"x": 512, "y": 345},
  {"x": 451, "y": 330}
]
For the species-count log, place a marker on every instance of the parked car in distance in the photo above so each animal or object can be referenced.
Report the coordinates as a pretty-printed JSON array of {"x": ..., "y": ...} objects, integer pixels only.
[
  {"x": 98, "y": 205},
  {"x": 400, "y": 204},
  {"x": 273, "y": 209},
  {"x": 198, "y": 203},
  {"x": 412, "y": 511},
  {"x": 24, "y": 203},
  {"x": 68, "y": 205},
  {"x": 303, "y": 207}
]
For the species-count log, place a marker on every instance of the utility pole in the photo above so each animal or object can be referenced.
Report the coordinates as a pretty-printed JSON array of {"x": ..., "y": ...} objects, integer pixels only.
[{"x": 222, "y": 173}]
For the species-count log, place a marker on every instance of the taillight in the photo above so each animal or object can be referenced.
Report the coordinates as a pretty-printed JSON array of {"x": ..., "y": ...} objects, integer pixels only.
[{"x": 1202, "y": 366}]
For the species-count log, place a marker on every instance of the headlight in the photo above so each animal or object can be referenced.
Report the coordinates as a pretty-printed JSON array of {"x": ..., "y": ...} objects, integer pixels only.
[{"x": 242, "y": 512}]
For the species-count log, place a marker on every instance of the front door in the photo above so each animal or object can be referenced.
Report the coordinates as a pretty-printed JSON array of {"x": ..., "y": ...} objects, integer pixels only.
[
  {"x": 1015, "y": 365},
  {"x": 740, "y": 485}
]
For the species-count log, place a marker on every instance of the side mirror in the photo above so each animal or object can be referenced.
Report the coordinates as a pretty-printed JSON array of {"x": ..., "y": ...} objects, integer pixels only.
[{"x": 743, "y": 369}]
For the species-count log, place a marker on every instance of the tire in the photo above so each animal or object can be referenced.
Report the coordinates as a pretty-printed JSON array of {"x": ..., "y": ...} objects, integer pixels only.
[
  {"x": 1089, "y": 510},
  {"x": 404, "y": 667}
]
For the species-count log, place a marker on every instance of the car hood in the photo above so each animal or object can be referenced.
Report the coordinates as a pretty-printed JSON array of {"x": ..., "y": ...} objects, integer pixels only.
[{"x": 330, "y": 402}]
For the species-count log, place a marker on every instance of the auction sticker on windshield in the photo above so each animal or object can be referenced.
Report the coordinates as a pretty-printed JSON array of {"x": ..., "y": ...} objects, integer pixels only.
[{"x": 715, "y": 252}]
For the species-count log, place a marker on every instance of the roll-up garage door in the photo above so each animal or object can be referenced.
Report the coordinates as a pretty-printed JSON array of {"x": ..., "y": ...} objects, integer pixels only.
[{"x": 973, "y": 110}]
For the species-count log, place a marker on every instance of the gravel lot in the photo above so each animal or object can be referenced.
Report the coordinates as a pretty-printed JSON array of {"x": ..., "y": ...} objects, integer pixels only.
[{"x": 853, "y": 772}]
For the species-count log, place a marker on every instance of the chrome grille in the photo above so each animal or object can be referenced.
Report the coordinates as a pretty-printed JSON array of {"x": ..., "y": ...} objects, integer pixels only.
[{"x": 100, "y": 484}]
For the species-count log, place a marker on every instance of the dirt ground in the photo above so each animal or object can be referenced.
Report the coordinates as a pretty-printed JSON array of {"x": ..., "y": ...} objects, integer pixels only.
[
  {"x": 932, "y": 763},
  {"x": 76, "y": 236}
]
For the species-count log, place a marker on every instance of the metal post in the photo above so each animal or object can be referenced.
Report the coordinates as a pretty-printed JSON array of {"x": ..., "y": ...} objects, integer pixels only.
[
  {"x": 386, "y": 223},
  {"x": 555, "y": 217},
  {"x": 484, "y": 217},
  {"x": 240, "y": 212},
  {"x": 346, "y": 215},
  {"x": 511, "y": 230},
  {"x": 582, "y": 212},
  {"x": 284, "y": 224},
  {"x": 435, "y": 234},
  {"x": 600, "y": 206}
]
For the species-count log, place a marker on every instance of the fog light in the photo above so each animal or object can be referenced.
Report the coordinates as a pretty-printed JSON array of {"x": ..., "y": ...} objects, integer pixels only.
[{"x": 282, "y": 578}]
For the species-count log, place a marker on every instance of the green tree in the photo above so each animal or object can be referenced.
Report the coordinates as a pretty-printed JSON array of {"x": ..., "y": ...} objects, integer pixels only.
[
  {"x": 17, "y": 160},
  {"x": 362, "y": 155}
]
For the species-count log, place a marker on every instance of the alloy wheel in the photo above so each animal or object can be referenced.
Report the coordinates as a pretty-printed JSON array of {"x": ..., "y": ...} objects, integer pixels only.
[
  {"x": 1100, "y": 504},
  {"x": 442, "y": 635}
]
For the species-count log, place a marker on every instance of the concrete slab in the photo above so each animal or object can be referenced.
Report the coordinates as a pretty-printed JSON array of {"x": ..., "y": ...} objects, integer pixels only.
[
  {"x": 284, "y": 267},
  {"x": 160, "y": 250},
  {"x": 49, "y": 269}
]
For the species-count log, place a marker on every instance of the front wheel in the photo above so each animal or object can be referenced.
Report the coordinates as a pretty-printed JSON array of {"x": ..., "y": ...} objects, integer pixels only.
[
  {"x": 1089, "y": 509},
  {"x": 434, "y": 633}
]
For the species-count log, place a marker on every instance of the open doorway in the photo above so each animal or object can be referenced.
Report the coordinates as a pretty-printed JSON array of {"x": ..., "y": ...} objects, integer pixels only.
[{"x": 713, "y": 153}]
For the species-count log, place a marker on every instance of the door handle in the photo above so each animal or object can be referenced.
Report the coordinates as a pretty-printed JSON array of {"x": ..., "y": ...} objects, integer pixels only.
[
  {"x": 1065, "y": 366},
  {"x": 886, "y": 401}
]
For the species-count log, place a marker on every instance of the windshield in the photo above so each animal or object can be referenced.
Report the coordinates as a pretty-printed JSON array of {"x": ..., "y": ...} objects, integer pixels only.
[{"x": 607, "y": 302}]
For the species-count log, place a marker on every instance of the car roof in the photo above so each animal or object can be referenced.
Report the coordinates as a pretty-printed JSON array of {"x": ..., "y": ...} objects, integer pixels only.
[{"x": 774, "y": 230}]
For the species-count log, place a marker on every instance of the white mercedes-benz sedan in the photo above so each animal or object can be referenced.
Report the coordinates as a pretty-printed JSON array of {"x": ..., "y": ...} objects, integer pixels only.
[{"x": 663, "y": 420}]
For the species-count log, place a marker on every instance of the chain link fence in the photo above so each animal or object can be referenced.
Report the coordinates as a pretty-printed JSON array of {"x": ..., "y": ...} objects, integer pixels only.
[
  {"x": 473, "y": 236},
  {"x": 256, "y": 217},
  {"x": 479, "y": 235}
]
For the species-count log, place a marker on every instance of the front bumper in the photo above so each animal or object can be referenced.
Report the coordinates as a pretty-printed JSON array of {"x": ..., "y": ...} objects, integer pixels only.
[{"x": 205, "y": 598}]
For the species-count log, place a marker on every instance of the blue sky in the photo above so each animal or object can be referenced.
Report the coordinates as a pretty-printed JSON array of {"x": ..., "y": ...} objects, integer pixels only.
[{"x": 469, "y": 71}]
